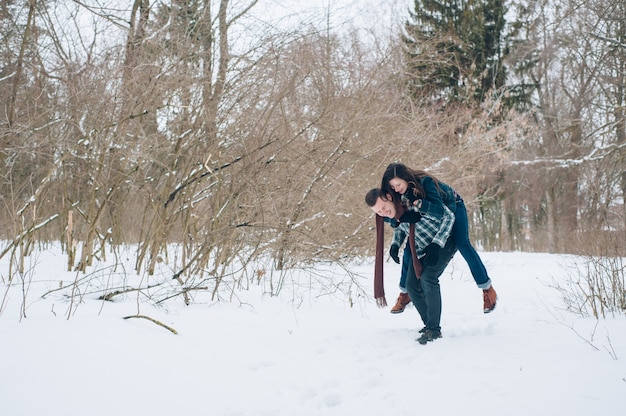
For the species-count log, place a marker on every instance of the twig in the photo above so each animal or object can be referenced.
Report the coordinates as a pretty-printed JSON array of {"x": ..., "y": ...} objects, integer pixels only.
[
  {"x": 583, "y": 338},
  {"x": 172, "y": 330},
  {"x": 110, "y": 295},
  {"x": 611, "y": 351}
]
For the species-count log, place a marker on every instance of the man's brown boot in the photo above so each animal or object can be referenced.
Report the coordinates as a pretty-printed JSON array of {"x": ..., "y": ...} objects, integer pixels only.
[
  {"x": 401, "y": 303},
  {"x": 489, "y": 299}
]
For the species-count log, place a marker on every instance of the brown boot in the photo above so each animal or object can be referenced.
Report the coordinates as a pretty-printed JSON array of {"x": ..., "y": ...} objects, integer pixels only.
[
  {"x": 489, "y": 299},
  {"x": 401, "y": 303}
]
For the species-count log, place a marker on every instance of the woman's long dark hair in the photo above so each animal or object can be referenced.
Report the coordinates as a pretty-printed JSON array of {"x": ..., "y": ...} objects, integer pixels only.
[{"x": 412, "y": 176}]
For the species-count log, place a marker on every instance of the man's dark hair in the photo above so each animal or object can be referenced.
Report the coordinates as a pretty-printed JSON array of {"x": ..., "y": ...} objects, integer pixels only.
[{"x": 372, "y": 196}]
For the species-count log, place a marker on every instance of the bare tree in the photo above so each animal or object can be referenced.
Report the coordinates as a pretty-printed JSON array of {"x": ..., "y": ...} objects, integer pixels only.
[{"x": 577, "y": 117}]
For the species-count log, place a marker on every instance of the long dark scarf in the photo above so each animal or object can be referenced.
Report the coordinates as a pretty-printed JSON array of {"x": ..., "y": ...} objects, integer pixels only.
[{"x": 379, "y": 287}]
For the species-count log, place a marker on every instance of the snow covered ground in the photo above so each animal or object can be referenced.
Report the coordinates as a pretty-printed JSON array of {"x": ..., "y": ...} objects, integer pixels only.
[{"x": 304, "y": 354}]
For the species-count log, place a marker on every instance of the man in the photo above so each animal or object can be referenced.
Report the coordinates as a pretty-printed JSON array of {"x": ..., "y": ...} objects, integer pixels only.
[{"x": 431, "y": 249}]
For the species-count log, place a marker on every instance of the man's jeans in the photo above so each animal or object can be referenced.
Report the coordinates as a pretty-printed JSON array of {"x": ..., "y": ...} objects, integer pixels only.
[{"x": 425, "y": 292}]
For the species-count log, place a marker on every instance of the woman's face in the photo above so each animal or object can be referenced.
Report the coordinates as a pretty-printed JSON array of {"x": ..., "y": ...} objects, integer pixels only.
[{"x": 399, "y": 185}]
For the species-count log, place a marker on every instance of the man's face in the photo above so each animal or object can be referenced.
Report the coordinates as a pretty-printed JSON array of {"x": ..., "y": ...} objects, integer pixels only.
[{"x": 384, "y": 208}]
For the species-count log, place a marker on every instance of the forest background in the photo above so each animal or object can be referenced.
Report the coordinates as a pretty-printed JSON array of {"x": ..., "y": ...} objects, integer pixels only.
[{"x": 241, "y": 140}]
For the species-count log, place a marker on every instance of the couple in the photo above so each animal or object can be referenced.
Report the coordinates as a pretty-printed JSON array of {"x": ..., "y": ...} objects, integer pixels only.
[{"x": 434, "y": 218}]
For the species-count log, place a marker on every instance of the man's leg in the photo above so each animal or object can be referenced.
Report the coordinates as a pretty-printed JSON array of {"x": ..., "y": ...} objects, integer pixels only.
[
  {"x": 432, "y": 292},
  {"x": 414, "y": 288}
]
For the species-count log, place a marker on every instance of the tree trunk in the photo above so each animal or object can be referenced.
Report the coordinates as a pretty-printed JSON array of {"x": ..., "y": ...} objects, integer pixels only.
[
  {"x": 551, "y": 220},
  {"x": 505, "y": 235}
]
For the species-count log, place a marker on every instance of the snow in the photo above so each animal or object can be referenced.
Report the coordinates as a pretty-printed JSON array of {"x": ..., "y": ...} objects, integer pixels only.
[{"x": 308, "y": 352}]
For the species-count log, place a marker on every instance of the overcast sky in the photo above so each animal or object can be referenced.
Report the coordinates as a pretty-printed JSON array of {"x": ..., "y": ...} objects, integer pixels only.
[{"x": 359, "y": 13}]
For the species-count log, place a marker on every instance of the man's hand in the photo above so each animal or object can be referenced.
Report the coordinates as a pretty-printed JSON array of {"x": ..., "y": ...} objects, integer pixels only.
[
  {"x": 393, "y": 252},
  {"x": 411, "y": 217},
  {"x": 431, "y": 254}
]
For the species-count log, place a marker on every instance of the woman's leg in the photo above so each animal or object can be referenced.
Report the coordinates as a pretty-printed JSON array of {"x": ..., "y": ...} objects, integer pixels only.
[
  {"x": 404, "y": 298},
  {"x": 406, "y": 262},
  {"x": 460, "y": 234}
]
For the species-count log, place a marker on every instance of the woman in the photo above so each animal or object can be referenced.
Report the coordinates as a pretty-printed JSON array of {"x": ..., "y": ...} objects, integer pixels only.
[{"x": 419, "y": 189}]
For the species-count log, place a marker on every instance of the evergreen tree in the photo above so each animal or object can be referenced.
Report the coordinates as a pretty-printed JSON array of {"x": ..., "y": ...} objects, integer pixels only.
[{"x": 455, "y": 49}]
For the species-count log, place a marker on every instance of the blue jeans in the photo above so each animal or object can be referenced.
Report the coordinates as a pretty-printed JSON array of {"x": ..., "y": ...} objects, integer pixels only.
[
  {"x": 460, "y": 235},
  {"x": 425, "y": 292}
]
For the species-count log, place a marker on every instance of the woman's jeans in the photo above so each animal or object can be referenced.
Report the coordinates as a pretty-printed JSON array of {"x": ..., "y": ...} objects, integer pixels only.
[{"x": 460, "y": 235}]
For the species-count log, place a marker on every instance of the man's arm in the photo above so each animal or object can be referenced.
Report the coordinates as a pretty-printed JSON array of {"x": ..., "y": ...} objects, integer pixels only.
[{"x": 399, "y": 235}]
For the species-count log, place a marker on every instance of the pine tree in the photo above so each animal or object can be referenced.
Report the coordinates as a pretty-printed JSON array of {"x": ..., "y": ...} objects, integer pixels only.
[{"x": 455, "y": 49}]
